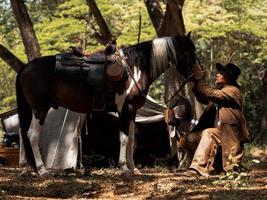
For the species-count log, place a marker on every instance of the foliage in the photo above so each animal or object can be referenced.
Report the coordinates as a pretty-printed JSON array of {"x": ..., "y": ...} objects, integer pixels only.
[
  {"x": 240, "y": 177},
  {"x": 234, "y": 180}
]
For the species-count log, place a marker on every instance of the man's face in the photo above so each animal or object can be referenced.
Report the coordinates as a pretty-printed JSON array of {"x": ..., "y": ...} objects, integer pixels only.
[{"x": 221, "y": 78}]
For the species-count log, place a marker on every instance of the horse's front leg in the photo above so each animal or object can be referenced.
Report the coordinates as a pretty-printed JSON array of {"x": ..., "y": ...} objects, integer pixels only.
[{"x": 127, "y": 141}]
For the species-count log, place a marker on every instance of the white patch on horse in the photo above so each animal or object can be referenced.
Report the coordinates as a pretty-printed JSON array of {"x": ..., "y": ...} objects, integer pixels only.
[
  {"x": 135, "y": 76},
  {"x": 135, "y": 79},
  {"x": 123, "y": 149}
]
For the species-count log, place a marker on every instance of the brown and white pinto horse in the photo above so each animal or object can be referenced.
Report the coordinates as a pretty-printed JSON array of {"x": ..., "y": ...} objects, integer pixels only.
[{"x": 39, "y": 89}]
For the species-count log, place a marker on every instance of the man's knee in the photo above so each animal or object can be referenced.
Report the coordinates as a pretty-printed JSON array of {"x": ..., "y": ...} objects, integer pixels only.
[{"x": 206, "y": 133}]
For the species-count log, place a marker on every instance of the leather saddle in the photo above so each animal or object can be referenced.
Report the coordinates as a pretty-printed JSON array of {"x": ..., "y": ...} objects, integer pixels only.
[{"x": 93, "y": 69}]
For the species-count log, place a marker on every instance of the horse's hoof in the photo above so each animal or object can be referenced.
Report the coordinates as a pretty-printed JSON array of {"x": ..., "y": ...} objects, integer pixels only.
[
  {"x": 127, "y": 173},
  {"x": 25, "y": 173},
  {"x": 136, "y": 171},
  {"x": 43, "y": 172}
]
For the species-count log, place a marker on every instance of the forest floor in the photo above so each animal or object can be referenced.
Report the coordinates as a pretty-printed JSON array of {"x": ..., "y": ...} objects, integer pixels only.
[{"x": 155, "y": 183}]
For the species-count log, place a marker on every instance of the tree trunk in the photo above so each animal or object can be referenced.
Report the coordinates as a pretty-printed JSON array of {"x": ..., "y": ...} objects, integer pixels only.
[
  {"x": 15, "y": 63},
  {"x": 105, "y": 35},
  {"x": 26, "y": 29},
  {"x": 156, "y": 15},
  {"x": 264, "y": 117},
  {"x": 170, "y": 23},
  {"x": 174, "y": 22}
]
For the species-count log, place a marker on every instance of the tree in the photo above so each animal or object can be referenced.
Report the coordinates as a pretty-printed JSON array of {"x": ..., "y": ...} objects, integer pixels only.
[
  {"x": 26, "y": 29},
  {"x": 168, "y": 23}
]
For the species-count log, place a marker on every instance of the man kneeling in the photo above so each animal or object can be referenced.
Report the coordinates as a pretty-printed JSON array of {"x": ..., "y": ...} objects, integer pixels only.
[{"x": 222, "y": 128}]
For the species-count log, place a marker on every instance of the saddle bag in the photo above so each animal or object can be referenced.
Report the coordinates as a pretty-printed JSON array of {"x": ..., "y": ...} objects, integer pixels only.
[{"x": 114, "y": 71}]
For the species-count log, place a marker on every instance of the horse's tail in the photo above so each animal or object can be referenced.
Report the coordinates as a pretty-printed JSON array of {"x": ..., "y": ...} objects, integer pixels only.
[{"x": 25, "y": 117}]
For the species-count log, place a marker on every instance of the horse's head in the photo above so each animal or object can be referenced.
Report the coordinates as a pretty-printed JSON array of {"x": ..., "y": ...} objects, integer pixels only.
[{"x": 185, "y": 53}]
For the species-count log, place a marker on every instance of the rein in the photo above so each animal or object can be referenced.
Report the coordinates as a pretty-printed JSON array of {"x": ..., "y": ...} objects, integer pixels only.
[{"x": 180, "y": 88}]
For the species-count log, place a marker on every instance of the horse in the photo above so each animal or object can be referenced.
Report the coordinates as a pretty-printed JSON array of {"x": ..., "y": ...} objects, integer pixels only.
[{"x": 38, "y": 88}]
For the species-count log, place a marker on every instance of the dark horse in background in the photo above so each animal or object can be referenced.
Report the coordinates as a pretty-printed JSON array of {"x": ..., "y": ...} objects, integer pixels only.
[{"x": 39, "y": 89}]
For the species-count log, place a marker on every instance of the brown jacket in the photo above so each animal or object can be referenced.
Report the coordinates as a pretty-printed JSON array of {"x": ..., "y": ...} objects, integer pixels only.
[{"x": 232, "y": 126}]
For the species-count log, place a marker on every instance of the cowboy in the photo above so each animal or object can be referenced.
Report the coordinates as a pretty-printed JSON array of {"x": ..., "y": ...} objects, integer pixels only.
[{"x": 216, "y": 142}]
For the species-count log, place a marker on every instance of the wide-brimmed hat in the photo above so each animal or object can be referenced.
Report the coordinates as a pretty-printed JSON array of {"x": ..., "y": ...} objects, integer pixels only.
[{"x": 230, "y": 69}]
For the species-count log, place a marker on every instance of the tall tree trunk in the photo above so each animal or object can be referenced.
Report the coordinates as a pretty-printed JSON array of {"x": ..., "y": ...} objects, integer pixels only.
[
  {"x": 15, "y": 63},
  {"x": 174, "y": 22},
  {"x": 156, "y": 15},
  {"x": 264, "y": 117},
  {"x": 170, "y": 23},
  {"x": 26, "y": 29},
  {"x": 105, "y": 35}
]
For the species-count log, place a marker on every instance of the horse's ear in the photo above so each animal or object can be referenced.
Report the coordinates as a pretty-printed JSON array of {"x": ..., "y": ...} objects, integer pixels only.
[{"x": 188, "y": 35}]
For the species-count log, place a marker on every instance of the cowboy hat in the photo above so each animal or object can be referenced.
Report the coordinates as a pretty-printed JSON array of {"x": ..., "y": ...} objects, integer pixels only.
[{"x": 230, "y": 69}]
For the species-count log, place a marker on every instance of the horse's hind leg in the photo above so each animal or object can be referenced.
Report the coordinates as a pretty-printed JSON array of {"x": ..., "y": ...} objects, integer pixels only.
[
  {"x": 34, "y": 137},
  {"x": 22, "y": 159}
]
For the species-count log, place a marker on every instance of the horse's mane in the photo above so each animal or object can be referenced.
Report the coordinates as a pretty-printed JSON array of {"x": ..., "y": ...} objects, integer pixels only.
[{"x": 162, "y": 50}]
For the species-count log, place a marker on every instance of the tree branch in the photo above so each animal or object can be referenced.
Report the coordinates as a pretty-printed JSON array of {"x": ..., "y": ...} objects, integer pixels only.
[
  {"x": 13, "y": 61},
  {"x": 105, "y": 35}
]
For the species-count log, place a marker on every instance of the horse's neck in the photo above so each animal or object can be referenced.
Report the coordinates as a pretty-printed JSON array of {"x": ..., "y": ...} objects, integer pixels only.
[{"x": 155, "y": 76}]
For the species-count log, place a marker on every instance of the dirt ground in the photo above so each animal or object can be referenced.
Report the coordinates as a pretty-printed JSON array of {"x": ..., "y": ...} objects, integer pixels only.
[{"x": 155, "y": 183}]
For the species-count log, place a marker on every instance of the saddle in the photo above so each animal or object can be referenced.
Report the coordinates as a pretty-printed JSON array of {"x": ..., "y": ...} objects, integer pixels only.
[{"x": 94, "y": 69}]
